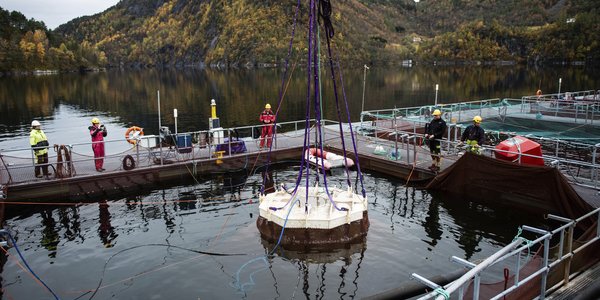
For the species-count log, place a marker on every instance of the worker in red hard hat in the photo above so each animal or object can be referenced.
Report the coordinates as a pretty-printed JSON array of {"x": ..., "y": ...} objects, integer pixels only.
[
  {"x": 434, "y": 131},
  {"x": 474, "y": 136},
  {"x": 98, "y": 132},
  {"x": 267, "y": 118},
  {"x": 39, "y": 145}
]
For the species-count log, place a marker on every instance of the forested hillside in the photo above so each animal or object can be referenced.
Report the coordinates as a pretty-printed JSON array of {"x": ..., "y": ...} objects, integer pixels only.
[
  {"x": 28, "y": 45},
  {"x": 236, "y": 33}
]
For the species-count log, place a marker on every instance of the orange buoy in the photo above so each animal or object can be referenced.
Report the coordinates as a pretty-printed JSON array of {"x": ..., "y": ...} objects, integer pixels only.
[{"x": 133, "y": 133}]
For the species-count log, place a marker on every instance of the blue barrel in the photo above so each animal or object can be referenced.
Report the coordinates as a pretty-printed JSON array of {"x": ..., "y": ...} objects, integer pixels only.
[{"x": 184, "y": 143}]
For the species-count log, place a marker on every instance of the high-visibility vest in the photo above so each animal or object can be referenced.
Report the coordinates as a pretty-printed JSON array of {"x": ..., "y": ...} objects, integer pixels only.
[{"x": 38, "y": 141}]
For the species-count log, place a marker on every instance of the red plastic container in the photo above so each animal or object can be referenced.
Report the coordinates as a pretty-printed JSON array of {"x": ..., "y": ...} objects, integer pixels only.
[{"x": 509, "y": 150}]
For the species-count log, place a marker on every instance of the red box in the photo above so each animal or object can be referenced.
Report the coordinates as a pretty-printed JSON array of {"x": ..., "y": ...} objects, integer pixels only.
[{"x": 509, "y": 150}]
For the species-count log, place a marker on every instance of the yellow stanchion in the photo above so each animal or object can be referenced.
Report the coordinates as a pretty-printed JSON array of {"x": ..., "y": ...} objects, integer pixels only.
[{"x": 219, "y": 155}]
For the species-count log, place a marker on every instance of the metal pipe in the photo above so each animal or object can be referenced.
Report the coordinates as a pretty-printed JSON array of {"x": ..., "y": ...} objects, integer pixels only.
[
  {"x": 229, "y": 141},
  {"x": 175, "y": 116},
  {"x": 594, "y": 171},
  {"x": 159, "y": 126},
  {"x": 545, "y": 272},
  {"x": 480, "y": 267},
  {"x": 363, "y": 94},
  {"x": 410, "y": 289},
  {"x": 569, "y": 258}
]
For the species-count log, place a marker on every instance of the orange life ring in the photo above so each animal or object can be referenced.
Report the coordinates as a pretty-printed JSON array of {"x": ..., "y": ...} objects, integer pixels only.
[
  {"x": 131, "y": 138},
  {"x": 539, "y": 92}
]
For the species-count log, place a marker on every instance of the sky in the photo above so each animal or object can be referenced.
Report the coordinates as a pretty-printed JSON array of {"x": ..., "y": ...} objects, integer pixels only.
[{"x": 56, "y": 12}]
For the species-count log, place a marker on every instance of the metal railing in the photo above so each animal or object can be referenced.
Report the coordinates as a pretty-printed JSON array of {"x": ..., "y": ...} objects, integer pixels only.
[
  {"x": 577, "y": 161},
  {"x": 584, "y": 109},
  {"x": 515, "y": 251},
  {"x": 16, "y": 165}
]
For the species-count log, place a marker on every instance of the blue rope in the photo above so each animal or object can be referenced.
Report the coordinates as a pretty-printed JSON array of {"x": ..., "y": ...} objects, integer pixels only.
[
  {"x": 242, "y": 287},
  {"x": 26, "y": 264},
  {"x": 283, "y": 228}
]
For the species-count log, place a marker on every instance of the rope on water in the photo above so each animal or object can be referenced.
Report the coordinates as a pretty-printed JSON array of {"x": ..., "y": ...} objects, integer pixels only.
[
  {"x": 99, "y": 286},
  {"x": 242, "y": 287}
]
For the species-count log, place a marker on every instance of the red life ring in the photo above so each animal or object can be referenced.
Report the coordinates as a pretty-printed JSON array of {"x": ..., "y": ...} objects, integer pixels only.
[{"x": 132, "y": 133}]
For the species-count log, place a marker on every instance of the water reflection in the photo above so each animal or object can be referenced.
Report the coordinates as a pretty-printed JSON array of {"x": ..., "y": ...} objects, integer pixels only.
[
  {"x": 50, "y": 237},
  {"x": 71, "y": 225},
  {"x": 130, "y": 97},
  {"x": 411, "y": 231},
  {"x": 432, "y": 224},
  {"x": 106, "y": 231},
  {"x": 268, "y": 185},
  {"x": 324, "y": 268}
]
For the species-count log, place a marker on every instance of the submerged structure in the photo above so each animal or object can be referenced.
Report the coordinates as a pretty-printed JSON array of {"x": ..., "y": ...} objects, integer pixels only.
[{"x": 312, "y": 212}]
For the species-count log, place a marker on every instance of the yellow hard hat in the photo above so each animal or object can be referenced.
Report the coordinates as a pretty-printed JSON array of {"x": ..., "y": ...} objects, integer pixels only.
[
  {"x": 95, "y": 121},
  {"x": 437, "y": 112},
  {"x": 477, "y": 119},
  {"x": 268, "y": 105}
]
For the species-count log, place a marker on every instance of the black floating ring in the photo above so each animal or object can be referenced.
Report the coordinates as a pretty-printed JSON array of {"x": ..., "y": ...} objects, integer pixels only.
[{"x": 128, "y": 163}]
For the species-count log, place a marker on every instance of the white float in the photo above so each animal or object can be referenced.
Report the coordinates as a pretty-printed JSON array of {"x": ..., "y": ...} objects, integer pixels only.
[
  {"x": 327, "y": 159},
  {"x": 317, "y": 213}
]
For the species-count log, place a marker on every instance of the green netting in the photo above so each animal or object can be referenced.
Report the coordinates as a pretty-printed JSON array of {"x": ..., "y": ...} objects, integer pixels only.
[{"x": 584, "y": 133}]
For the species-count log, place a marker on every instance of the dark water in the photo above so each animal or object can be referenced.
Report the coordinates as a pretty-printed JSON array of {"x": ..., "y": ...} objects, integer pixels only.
[{"x": 120, "y": 245}]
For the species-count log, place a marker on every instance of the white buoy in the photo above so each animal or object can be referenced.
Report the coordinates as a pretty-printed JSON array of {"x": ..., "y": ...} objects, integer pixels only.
[{"x": 318, "y": 212}]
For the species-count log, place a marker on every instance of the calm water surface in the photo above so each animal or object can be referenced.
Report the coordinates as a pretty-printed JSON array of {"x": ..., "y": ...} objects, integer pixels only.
[{"x": 121, "y": 245}]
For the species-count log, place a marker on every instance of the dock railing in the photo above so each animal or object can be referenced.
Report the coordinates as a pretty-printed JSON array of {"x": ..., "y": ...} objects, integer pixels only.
[
  {"x": 577, "y": 161},
  {"x": 584, "y": 108},
  {"x": 145, "y": 151},
  {"x": 518, "y": 251}
]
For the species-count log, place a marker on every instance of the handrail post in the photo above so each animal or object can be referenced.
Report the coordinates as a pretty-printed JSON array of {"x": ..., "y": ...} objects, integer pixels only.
[
  {"x": 545, "y": 273},
  {"x": 567, "y": 267},
  {"x": 229, "y": 141},
  {"x": 407, "y": 147},
  {"x": 415, "y": 149},
  {"x": 594, "y": 170},
  {"x": 137, "y": 153}
]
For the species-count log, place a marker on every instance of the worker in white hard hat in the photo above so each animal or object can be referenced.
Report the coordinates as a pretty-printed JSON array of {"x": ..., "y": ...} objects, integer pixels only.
[
  {"x": 39, "y": 145},
  {"x": 98, "y": 132},
  {"x": 267, "y": 118},
  {"x": 474, "y": 136},
  {"x": 434, "y": 131}
]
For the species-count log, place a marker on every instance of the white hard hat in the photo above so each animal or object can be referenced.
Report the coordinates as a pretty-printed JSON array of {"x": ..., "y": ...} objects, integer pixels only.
[{"x": 35, "y": 123}]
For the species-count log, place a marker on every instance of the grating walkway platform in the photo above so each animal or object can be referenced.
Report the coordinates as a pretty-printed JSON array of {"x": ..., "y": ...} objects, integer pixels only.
[{"x": 584, "y": 286}]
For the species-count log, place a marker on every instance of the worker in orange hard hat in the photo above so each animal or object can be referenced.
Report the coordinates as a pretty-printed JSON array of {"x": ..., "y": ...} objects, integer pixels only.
[
  {"x": 434, "y": 131},
  {"x": 267, "y": 118},
  {"x": 98, "y": 132},
  {"x": 474, "y": 136}
]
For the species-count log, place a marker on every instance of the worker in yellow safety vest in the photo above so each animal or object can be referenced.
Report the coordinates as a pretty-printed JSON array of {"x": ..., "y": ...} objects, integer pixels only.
[
  {"x": 474, "y": 136},
  {"x": 39, "y": 145}
]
